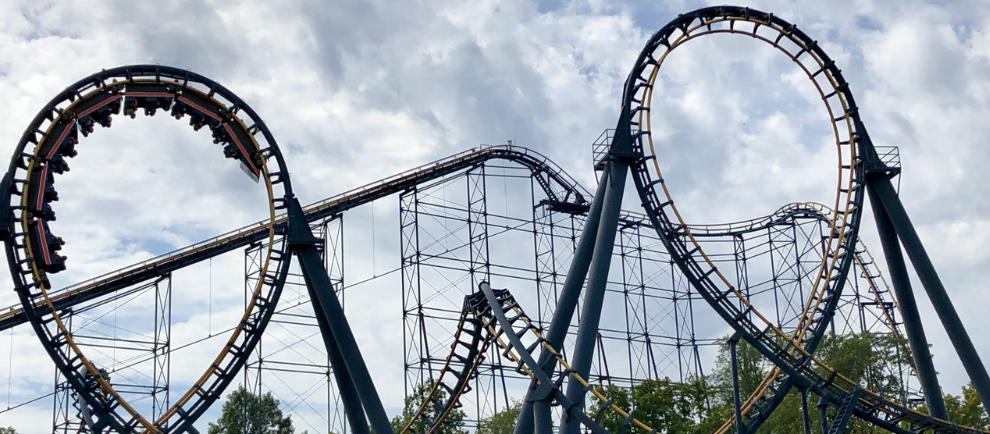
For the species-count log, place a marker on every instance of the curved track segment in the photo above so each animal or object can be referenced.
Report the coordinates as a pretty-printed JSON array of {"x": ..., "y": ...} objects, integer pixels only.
[
  {"x": 867, "y": 306},
  {"x": 790, "y": 351},
  {"x": 497, "y": 315},
  {"x": 471, "y": 341},
  {"x": 42, "y": 153},
  {"x": 517, "y": 336},
  {"x": 870, "y": 300}
]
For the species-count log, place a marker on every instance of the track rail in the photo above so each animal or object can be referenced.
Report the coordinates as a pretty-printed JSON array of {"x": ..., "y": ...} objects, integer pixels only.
[
  {"x": 513, "y": 329},
  {"x": 791, "y": 352},
  {"x": 42, "y": 153},
  {"x": 454, "y": 377},
  {"x": 557, "y": 185},
  {"x": 468, "y": 350},
  {"x": 452, "y": 164}
]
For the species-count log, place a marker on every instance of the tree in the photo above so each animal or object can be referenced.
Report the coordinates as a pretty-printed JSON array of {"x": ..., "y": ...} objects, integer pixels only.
[
  {"x": 503, "y": 422},
  {"x": 8, "y": 430},
  {"x": 965, "y": 409},
  {"x": 666, "y": 406},
  {"x": 246, "y": 412},
  {"x": 876, "y": 361},
  {"x": 610, "y": 420},
  {"x": 452, "y": 424},
  {"x": 663, "y": 405},
  {"x": 751, "y": 367}
]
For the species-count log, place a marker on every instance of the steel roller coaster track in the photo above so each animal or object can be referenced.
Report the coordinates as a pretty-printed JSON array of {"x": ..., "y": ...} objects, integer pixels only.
[
  {"x": 489, "y": 316},
  {"x": 859, "y": 169},
  {"x": 478, "y": 329},
  {"x": 556, "y": 185}
]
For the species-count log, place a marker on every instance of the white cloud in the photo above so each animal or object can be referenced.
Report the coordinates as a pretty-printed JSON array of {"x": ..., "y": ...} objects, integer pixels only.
[{"x": 361, "y": 90}]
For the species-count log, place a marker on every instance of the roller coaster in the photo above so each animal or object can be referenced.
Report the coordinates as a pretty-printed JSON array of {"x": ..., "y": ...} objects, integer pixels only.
[{"x": 782, "y": 282}]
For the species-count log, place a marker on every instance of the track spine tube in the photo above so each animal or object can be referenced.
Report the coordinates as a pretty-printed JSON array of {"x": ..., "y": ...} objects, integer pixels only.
[
  {"x": 567, "y": 303},
  {"x": 913, "y": 327},
  {"x": 584, "y": 347},
  {"x": 303, "y": 245},
  {"x": 954, "y": 327}
]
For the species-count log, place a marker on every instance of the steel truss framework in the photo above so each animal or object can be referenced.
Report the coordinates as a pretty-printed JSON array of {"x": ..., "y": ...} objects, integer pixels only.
[
  {"x": 659, "y": 340},
  {"x": 141, "y": 359},
  {"x": 278, "y": 356},
  {"x": 652, "y": 334},
  {"x": 778, "y": 282}
]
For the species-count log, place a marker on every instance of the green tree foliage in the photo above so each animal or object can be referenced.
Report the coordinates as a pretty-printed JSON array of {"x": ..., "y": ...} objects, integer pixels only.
[
  {"x": 663, "y": 405},
  {"x": 666, "y": 406},
  {"x": 8, "y": 430},
  {"x": 878, "y": 362},
  {"x": 247, "y": 412},
  {"x": 503, "y": 422},
  {"x": 611, "y": 420},
  {"x": 965, "y": 409},
  {"x": 751, "y": 366},
  {"x": 453, "y": 424}
]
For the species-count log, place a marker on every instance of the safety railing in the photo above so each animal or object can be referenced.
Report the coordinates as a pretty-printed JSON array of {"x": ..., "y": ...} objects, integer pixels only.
[
  {"x": 599, "y": 149},
  {"x": 890, "y": 156}
]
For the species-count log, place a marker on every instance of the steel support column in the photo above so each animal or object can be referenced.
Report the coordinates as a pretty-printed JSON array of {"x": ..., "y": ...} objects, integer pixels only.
[
  {"x": 823, "y": 414},
  {"x": 162, "y": 346},
  {"x": 733, "y": 341},
  {"x": 566, "y": 305},
  {"x": 348, "y": 393},
  {"x": 882, "y": 189},
  {"x": 325, "y": 302},
  {"x": 913, "y": 327},
  {"x": 597, "y": 277}
]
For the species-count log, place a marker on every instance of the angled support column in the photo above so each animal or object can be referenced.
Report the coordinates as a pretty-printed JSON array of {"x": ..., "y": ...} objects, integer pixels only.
[
  {"x": 562, "y": 315},
  {"x": 348, "y": 355},
  {"x": 733, "y": 341},
  {"x": 883, "y": 190},
  {"x": 348, "y": 393},
  {"x": 591, "y": 311},
  {"x": 909, "y": 307}
]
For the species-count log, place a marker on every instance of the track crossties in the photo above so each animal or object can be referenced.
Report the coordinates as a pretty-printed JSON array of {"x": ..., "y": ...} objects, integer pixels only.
[{"x": 44, "y": 152}]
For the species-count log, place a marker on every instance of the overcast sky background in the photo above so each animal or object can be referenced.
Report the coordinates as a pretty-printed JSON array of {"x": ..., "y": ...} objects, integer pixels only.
[{"x": 355, "y": 91}]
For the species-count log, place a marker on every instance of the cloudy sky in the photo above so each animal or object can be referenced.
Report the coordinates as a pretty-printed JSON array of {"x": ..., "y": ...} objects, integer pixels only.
[{"x": 355, "y": 91}]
